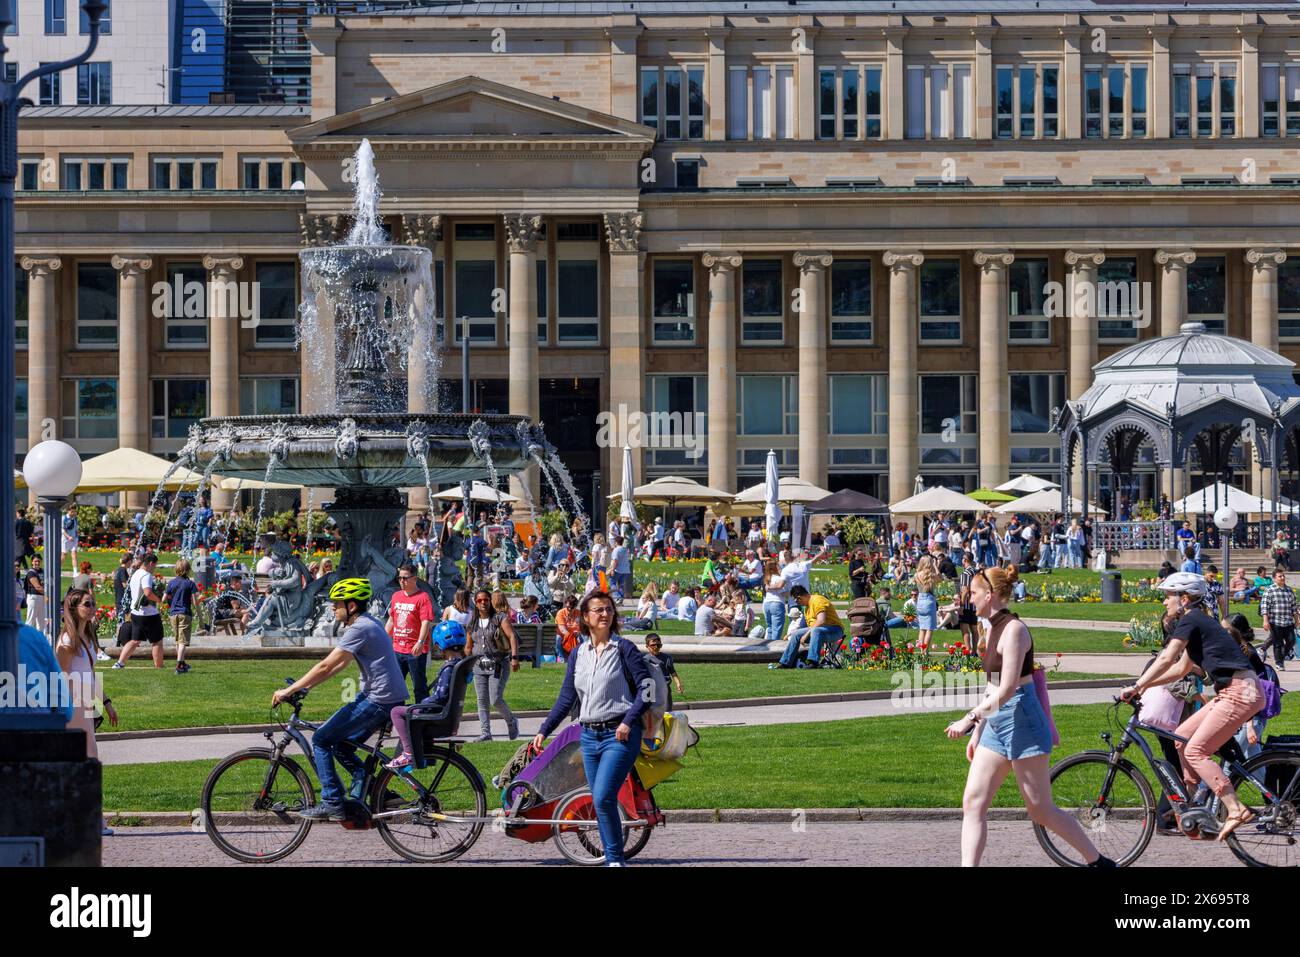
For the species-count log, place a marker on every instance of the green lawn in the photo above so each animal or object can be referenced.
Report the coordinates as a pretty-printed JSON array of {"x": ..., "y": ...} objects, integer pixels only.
[
  {"x": 1095, "y": 611},
  {"x": 896, "y": 761},
  {"x": 239, "y": 692}
]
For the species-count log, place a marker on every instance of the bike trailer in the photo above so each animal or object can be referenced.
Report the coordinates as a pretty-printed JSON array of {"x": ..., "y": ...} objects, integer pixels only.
[{"x": 550, "y": 775}]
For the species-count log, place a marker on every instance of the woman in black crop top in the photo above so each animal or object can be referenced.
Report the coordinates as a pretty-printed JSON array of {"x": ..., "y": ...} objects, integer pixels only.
[
  {"x": 1237, "y": 697},
  {"x": 1012, "y": 732}
]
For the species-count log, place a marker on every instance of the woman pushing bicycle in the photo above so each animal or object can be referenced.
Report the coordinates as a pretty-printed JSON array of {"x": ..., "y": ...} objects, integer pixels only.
[
  {"x": 1237, "y": 697},
  {"x": 1011, "y": 731}
]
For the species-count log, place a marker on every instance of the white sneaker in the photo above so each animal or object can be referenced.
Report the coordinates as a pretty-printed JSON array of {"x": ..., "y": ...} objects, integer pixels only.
[{"x": 102, "y": 657}]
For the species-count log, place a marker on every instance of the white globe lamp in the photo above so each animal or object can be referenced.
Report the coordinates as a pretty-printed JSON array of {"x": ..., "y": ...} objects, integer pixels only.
[{"x": 52, "y": 469}]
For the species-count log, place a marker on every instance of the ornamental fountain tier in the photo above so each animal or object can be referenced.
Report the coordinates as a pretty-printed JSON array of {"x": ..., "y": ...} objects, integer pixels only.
[{"x": 366, "y": 331}]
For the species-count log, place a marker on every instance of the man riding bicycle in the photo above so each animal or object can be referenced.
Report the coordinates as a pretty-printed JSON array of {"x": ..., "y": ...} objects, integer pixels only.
[{"x": 382, "y": 687}]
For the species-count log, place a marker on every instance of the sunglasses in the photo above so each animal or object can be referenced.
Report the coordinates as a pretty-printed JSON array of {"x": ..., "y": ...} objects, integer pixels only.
[
  {"x": 602, "y": 610},
  {"x": 406, "y": 578}
]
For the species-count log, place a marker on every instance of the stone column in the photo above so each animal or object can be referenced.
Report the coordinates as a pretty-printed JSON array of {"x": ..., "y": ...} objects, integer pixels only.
[
  {"x": 133, "y": 361},
  {"x": 42, "y": 345},
  {"x": 722, "y": 369},
  {"x": 813, "y": 384},
  {"x": 1263, "y": 295},
  {"x": 626, "y": 340},
  {"x": 805, "y": 81},
  {"x": 895, "y": 118},
  {"x": 223, "y": 347},
  {"x": 1070, "y": 105},
  {"x": 1161, "y": 101},
  {"x": 983, "y": 80},
  {"x": 1083, "y": 328},
  {"x": 904, "y": 460},
  {"x": 994, "y": 391},
  {"x": 1173, "y": 265},
  {"x": 421, "y": 229},
  {"x": 522, "y": 233},
  {"x": 716, "y": 104}
]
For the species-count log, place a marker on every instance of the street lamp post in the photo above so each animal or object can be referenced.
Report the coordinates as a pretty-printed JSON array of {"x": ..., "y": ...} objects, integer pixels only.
[
  {"x": 1225, "y": 519},
  {"x": 10, "y": 104},
  {"x": 52, "y": 470}
]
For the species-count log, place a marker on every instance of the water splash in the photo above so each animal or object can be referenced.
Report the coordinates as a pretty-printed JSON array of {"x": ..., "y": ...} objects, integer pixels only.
[
  {"x": 311, "y": 498},
  {"x": 366, "y": 230},
  {"x": 562, "y": 487}
]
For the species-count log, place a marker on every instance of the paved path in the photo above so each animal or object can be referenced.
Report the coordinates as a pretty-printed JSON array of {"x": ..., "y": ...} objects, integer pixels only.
[
  {"x": 910, "y": 844},
  {"x": 152, "y": 750}
]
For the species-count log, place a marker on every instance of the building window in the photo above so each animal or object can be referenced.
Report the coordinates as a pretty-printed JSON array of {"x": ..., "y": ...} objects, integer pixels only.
[
  {"x": 269, "y": 172},
  {"x": 56, "y": 17},
  {"x": 20, "y": 306},
  {"x": 859, "y": 405},
  {"x": 105, "y": 22},
  {"x": 762, "y": 302},
  {"x": 673, "y": 312},
  {"x": 475, "y": 277},
  {"x": 95, "y": 84},
  {"x": 948, "y": 411},
  {"x": 89, "y": 408},
  {"x": 1033, "y": 397},
  {"x": 1207, "y": 293},
  {"x": 1021, "y": 111},
  {"x": 1270, "y": 91},
  {"x": 184, "y": 173},
  {"x": 939, "y": 102},
  {"x": 1288, "y": 300},
  {"x": 185, "y": 306},
  {"x": 760, "y": 102},
  {"x": 577, "y": 283},
  {"x": 51, "y": 88},
  {"x": 680, "y": 404},
  {"x": 1291, "y": 100},
  {"x": 768, "y": 405},
  {"x": 96, "y": 306},
  {"x": 277, "y": 284},
  {"x": 95, "y": 173},
  {"x": 1118, "y": 301},
  {"x": 672, "y": 101},
  {"x": 849, "y": 102},
  {"x": 1026, "y": 295},
  {"x": 688, "y": 173},
  {"x": 1205, "y": 99},
  {"x": 267, "y": 396},
  {"x": 851, "y": 301},
  {"x": 941, "y": 301},
  {"x": 1115, "y": 100},
  {"x": 177, "y": 405},
  {"x": 29, "y": 175}
]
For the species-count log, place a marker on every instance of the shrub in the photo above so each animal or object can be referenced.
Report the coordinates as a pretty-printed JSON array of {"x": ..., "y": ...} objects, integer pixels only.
[{"x": 554, "y": 521}]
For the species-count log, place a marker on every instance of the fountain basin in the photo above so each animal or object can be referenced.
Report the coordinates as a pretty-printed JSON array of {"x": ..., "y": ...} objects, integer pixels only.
[{"x": 376, "y": 450}]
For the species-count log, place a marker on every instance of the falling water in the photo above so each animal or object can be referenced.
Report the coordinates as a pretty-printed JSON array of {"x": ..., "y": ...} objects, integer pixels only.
[
  {"x": 526, "y": 487},
  {"x": 271, "y": 463},
  {"x": 311, "y": 496},
  {"x": 167, "y": 519},
  {"x": 204, "y": 483},
  {"x": 366, "y": 230},
  {"x": 428, "y": 488},
  {"x": 492, "y": 477},
  {"x": 562, "y": 487}
]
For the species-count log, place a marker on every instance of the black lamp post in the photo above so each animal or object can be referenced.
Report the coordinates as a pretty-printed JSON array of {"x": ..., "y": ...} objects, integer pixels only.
[{"x": 10, "y": 104}]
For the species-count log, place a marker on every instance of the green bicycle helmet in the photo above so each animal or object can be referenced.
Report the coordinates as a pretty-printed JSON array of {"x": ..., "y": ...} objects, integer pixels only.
[{"x": 351, "y": 589}]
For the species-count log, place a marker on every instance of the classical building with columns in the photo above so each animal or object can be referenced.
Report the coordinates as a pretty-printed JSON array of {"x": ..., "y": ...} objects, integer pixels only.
[{"x": 885, "y": 239}]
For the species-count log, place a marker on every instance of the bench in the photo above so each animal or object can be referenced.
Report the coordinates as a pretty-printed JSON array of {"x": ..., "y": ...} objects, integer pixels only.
[{"x": 536, "y": 640}]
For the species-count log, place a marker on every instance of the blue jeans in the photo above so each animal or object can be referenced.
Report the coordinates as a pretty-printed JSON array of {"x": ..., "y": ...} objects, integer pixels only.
[
  {"x": 1076, "y": 554},
  {"x": 607, "y": 762},
  {"x": 774, "y": 615},
  {"x": 417, "y": 666},
  {"x": 791, "y": 654},
  {"x": 989, "y": 556},
  {"x": 822, "y": 634},
  {"x": 337, "y": 737},
  {"x": 1046, "y": 556}
]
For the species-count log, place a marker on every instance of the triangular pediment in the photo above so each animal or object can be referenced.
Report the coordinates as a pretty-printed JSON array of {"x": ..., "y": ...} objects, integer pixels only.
[{"x": 472, "y": 108}]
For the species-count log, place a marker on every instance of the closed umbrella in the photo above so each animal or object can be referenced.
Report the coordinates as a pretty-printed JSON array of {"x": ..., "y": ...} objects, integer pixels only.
[
  {"x": 771, "y": 498},
  {"x": 626, "y": 508}
]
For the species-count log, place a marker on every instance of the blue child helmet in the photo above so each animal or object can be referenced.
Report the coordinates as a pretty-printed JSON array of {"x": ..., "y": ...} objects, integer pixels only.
[{"x": 449, "y": 634}]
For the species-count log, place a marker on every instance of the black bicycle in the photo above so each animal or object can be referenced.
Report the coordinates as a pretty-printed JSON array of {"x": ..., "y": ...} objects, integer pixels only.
[
  {"x": 252, "y": 799},
  {"x": 1113, "y": 801}
]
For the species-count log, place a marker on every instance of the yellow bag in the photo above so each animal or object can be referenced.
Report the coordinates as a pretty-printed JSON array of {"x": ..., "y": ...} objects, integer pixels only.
[{"x": 652, "y": 772}]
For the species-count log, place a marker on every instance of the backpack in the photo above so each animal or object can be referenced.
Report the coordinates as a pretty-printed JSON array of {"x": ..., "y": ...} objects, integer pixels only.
[
  {"x": 865, "y": 620},
  {"x": 1271, "y": 688}
]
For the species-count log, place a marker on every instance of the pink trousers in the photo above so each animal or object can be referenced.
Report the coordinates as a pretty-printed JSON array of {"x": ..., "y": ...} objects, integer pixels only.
[{"x": 1211, "y": 726}]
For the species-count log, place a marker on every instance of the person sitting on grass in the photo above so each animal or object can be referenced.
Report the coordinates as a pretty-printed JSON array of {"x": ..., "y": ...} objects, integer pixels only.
[
  {"x": 689, "y": 605},
  {"x": 704, "y": 616},
  {"x": 450, "y": 637},
  {"x": 670, "y": 599}
]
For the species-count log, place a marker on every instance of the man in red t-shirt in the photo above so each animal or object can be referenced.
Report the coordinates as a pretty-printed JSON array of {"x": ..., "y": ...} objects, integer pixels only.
[{"x": 410, "y": 618}]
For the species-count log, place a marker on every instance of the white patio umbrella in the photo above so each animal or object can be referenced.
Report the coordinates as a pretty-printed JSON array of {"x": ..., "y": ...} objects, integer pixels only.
[
  {"x": 626, "y": 508},
  {"x": 791, "y": 490},
  {"x": 674, "y": 490},
  {"x": 130, "y": 470},
  {"x": 1048, "y": 501},
  {"x": 478, "y": 492},
  {"x": 1025, "y": 483},
  {"x": 937, "y": 499},
  {"x": 1218, "y": 494},
  {"x": 771, "y": 498},
  {"x": 234, "y": 484}
]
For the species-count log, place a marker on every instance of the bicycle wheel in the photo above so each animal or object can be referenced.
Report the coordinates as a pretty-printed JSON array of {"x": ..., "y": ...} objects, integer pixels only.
[
  {"x": 250, "y": 806},
  {"x": 1270, "y": 839},
  {"x": 1112, "y": 802},
  {"x": 581, "y": 844},
  {"x": 448, "y": 784}
]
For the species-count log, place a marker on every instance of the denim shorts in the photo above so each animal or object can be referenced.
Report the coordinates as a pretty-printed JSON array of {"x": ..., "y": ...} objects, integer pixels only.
[{"x": 1019, "y": 729}]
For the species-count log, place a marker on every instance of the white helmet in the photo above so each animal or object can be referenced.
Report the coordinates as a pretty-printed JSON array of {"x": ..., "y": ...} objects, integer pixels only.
[{"x": 1188, "y": 583}]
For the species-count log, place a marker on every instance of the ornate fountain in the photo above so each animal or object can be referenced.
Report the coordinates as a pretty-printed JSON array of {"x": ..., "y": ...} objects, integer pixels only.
[{"x": 367, "y": 330}]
